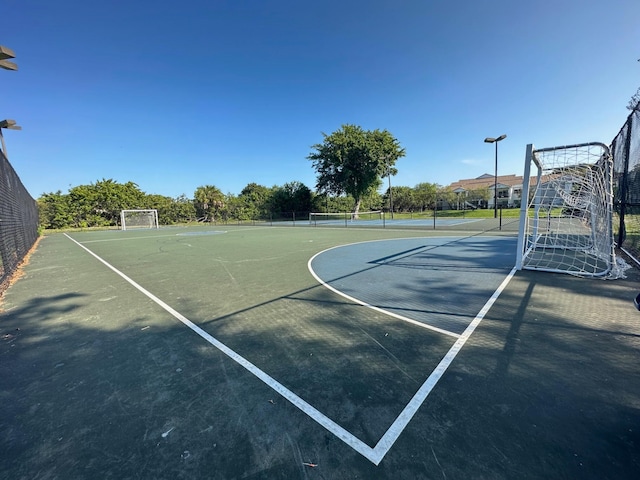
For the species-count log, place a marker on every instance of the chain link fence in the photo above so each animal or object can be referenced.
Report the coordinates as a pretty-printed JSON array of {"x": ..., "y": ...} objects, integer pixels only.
[
  {"x": 626, "y": 157},
  {"x": 18, "y": 221}
]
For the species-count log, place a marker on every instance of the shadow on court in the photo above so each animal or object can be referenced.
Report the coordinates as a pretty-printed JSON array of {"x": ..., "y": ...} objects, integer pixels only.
[{"x": 98, "y": 382}]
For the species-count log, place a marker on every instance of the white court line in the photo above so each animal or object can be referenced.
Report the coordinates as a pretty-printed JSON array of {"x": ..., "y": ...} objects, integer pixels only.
[
  {"x": 316, "y": 415},
  {"x": 630, "y": 256},
  {"x": 376, "y": 454},
  {"x": 463, "y": 222},
  {"x": 394, "y": 431},
  {"x": 147, "y": 237},
  {"x": 122, "y": 239},
  {"x": 373, "y": 307}
]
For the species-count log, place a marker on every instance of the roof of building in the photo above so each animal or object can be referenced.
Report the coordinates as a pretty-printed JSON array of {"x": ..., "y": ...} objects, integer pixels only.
[{"x": 486, "y": 181}]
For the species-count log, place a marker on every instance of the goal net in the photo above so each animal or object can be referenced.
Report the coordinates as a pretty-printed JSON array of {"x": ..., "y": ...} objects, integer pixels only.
[
  {"x": 130, "y": 219},
  {"x": 566, "y": 224},
  {"x": 332, "y": 218}
]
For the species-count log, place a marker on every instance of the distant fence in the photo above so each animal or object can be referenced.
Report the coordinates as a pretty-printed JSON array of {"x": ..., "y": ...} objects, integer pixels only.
[
  {"x": 18, "y": 221},
  {"x": 626, "y": 158},
  {"x": 458, "y": 220}
]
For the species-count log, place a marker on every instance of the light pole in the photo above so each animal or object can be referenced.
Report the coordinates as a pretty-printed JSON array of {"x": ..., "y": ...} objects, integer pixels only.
[
  {"x": 5, "y": 54},
  {"x": 9, "y": 125},
  {"x": 390, "y": 193},
  {"x": 495, "y": 177}
]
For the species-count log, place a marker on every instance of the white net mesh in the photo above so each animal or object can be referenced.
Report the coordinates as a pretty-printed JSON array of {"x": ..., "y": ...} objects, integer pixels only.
[
  {"x": 568, "y": 219},
  {"x": 341, "y": 217},
  {"x": 131, "y": 219}
]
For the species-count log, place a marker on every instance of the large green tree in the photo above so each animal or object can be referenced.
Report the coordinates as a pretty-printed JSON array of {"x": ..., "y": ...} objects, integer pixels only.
[
  {"x": 55, "y": 211},
  {"x": 352, "y": 160},
  {"x": 182, "y": 210},
  {"x": 254, "y": 202},
  {"x": 100, "y": 203},
  {"x": 403, "y": 199},
  {"x": 83, "y": 207},
  {"x": 170, "y": 210},
  {"x": 425, "y": 195},
  {"x": 291, "y": 197}
]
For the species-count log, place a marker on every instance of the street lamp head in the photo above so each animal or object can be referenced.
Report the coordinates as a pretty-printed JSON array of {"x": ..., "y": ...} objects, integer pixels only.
[
  {"x": 7, "y": 65},
  {"x": 5, "y": 54},
  {"x": 493, "y": 140},
  {"x": 9, "y": 125}
]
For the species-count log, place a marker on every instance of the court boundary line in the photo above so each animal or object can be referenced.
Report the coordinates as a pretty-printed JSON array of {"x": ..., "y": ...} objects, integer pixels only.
[
  {"x": 382, "y": 447},
  {"x": 401, "y": 422}
]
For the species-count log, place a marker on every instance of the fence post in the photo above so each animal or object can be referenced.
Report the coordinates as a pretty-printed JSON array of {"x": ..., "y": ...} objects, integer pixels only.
[{"x": 625, "y": 176}]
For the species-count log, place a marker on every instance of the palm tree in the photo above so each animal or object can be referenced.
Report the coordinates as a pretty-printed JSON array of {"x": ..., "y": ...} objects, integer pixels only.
[{"x": 209, "y": 200}]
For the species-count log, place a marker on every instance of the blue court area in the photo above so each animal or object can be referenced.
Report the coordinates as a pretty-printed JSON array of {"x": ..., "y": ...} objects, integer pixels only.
[{"x": 440, "y": 282}]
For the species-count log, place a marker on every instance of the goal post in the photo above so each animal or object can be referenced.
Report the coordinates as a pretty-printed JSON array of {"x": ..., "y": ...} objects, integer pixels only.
[
  {"x": 141, "y": 218},
  {"x": 567, "y": 211}
]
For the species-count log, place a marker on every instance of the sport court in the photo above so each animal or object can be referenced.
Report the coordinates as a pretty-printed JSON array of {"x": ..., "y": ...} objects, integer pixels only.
[{"x": 253, "y": 352}]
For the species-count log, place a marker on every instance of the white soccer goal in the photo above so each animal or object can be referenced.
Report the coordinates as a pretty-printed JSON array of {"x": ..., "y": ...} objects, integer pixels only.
[
  {"x": 130, "y": 219},
  {"x": 333, "y": 218},
  {"x": 566, "y": 224}
]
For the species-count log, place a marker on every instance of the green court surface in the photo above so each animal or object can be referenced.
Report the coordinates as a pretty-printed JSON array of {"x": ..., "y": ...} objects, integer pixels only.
[{"x": 276, "y": 352}]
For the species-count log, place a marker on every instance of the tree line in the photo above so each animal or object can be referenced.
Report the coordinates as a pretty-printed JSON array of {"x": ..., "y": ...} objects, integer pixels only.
[
  {"x": 99, "y": 204},
  {"x": 350, "y": 165}
]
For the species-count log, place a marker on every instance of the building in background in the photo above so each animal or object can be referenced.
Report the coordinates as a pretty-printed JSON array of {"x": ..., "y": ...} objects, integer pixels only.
[{"x": 478, "y": 192}]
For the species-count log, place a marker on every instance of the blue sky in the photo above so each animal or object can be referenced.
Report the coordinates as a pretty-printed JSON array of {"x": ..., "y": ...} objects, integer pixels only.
[{"x": 174, "y": 95}]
